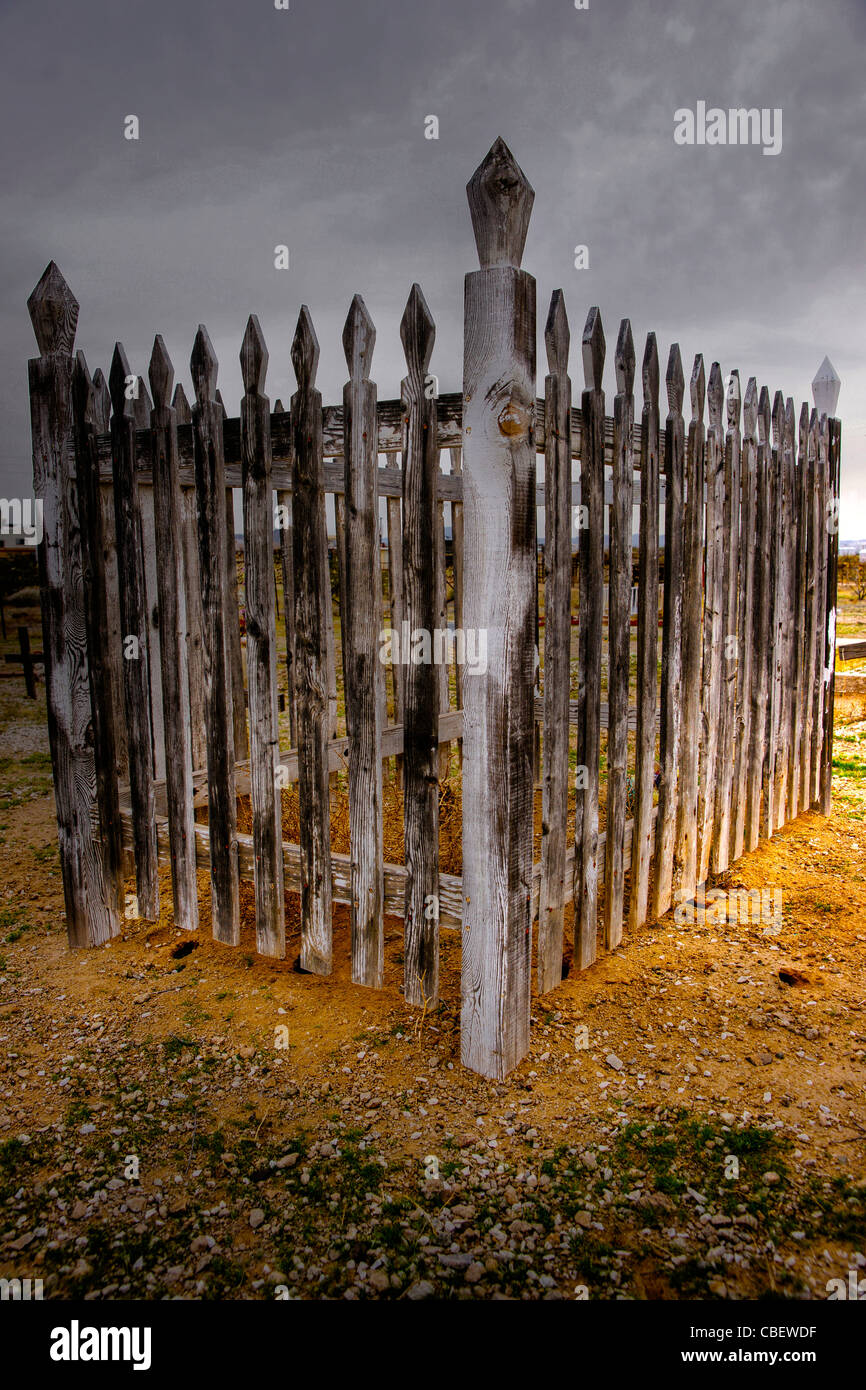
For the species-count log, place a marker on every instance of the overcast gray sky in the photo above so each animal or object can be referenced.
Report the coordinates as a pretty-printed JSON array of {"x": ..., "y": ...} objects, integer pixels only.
[{"x": 306, "y": 127}]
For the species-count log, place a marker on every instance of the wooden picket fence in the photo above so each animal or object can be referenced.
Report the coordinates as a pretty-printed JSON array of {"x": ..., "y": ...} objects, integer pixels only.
[{"x": 144, "y": 663}]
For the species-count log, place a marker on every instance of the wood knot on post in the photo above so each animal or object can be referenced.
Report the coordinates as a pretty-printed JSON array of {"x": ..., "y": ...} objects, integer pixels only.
[{"x": 513, "y": 419}]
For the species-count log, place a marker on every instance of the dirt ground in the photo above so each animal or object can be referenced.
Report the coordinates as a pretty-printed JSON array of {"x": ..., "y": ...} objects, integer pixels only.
[{"x": 183, "y": 1119}]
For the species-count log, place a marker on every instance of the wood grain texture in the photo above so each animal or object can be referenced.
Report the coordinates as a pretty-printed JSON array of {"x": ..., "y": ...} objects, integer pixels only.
[
  {"x": 726, "y": 749},
  {"x": 591, "y": 618},
  {"x": 363, "y": 672},
  {"x": 192, "y": 597},
  {"x": 714, "y": 598},
  {"x": 822, "y": 548},
  {"x": 761, "y": 603},
  {"x": 799, "y": 634},
  {"x": 619, "y": 637},
  {"x": 146, "y": 506},
  {"x": 557, "y": 644},
  {"x": 669, "y": 726},
  {"x": 135, "y": 625},
  {"x": 813, "y": 619},
  {"x": 207, "y": 425},
  {"x": 779, "y": 573},
  {"x": 395, "y": 604},
  {"x": 260, "y": 596},
  {"x": 647, "y": 640},
  {"x": 790, "y": 547},
  {"x": 114, "y": 656},
  {"x": 233, "y": 625},
  {"x": 834, "y": 440},
  {"x": 312, "y": 601},
  {"x": 746, "y": 613},
  {"x": 54, "y": 315},
  {"x": 441, "y": 622},
  {"x": 287, "y": 570},
  {"x": 499, "y": 599},
  {"x": 686, "y": 839},
  {"x": 457, "y": 542},
  {"x": 171, "y": 603},
  {"x": 421, "y": 697},
  {"x": 95, "y": 611}
]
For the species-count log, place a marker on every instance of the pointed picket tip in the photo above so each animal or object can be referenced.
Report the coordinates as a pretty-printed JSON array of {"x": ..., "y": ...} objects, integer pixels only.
[
  {"x": 804, "y": 417},
  {"x": 82, "y": 388},
  {"x": 650, "y": 369},
  {"x": 180, "y": 405},
  {"x": 417, "y": 332},
  {"x": 53, "y": 311},
  {"x": 813, "y": 420},
  {"x": 279, "y": 408},
  {"x": 305, "y": 352},
  {"x": 359, "y": 340},
  {"x": 698, "y": 387},
  {"x": 203, "y": 365},
  {"x": 557, "y": 335},
  {"x": 102, "y": 401},
  {"x": 500, "y": 203},
  {"x": 764, "y": 415},
  {"x": 778, "y": 418},
  {"x": 715, "y": 396},
  {"x": 624, "y": 359},
  {"x": 826, "y": 386},
  {"x": 594, "y": 350},
  {"x": 218, "y": 397},
  {"x": 160, "y": 373},
  {"x": 750, "y": 408},
  {"x": 142, "y": 406},
  {"x": 790, "y": 421},
  {"x": 254, "y": 358},
  {"x": 117, "y": 377},
  {"x": 733, "y": 400},
  {"x": 674, "y": 380}
]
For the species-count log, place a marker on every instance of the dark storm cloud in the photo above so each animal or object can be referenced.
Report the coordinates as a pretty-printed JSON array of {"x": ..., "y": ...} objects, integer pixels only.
[{"x": 260, "y": 127}]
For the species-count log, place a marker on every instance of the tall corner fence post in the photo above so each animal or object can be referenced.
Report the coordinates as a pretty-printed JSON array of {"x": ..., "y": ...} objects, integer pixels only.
[
  {"x": 499, "y": 519},
  {"x": 91, "y": 911}
]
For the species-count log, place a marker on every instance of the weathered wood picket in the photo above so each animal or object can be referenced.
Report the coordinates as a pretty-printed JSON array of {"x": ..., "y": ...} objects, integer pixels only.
[{"x": 153, "y": 713}]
